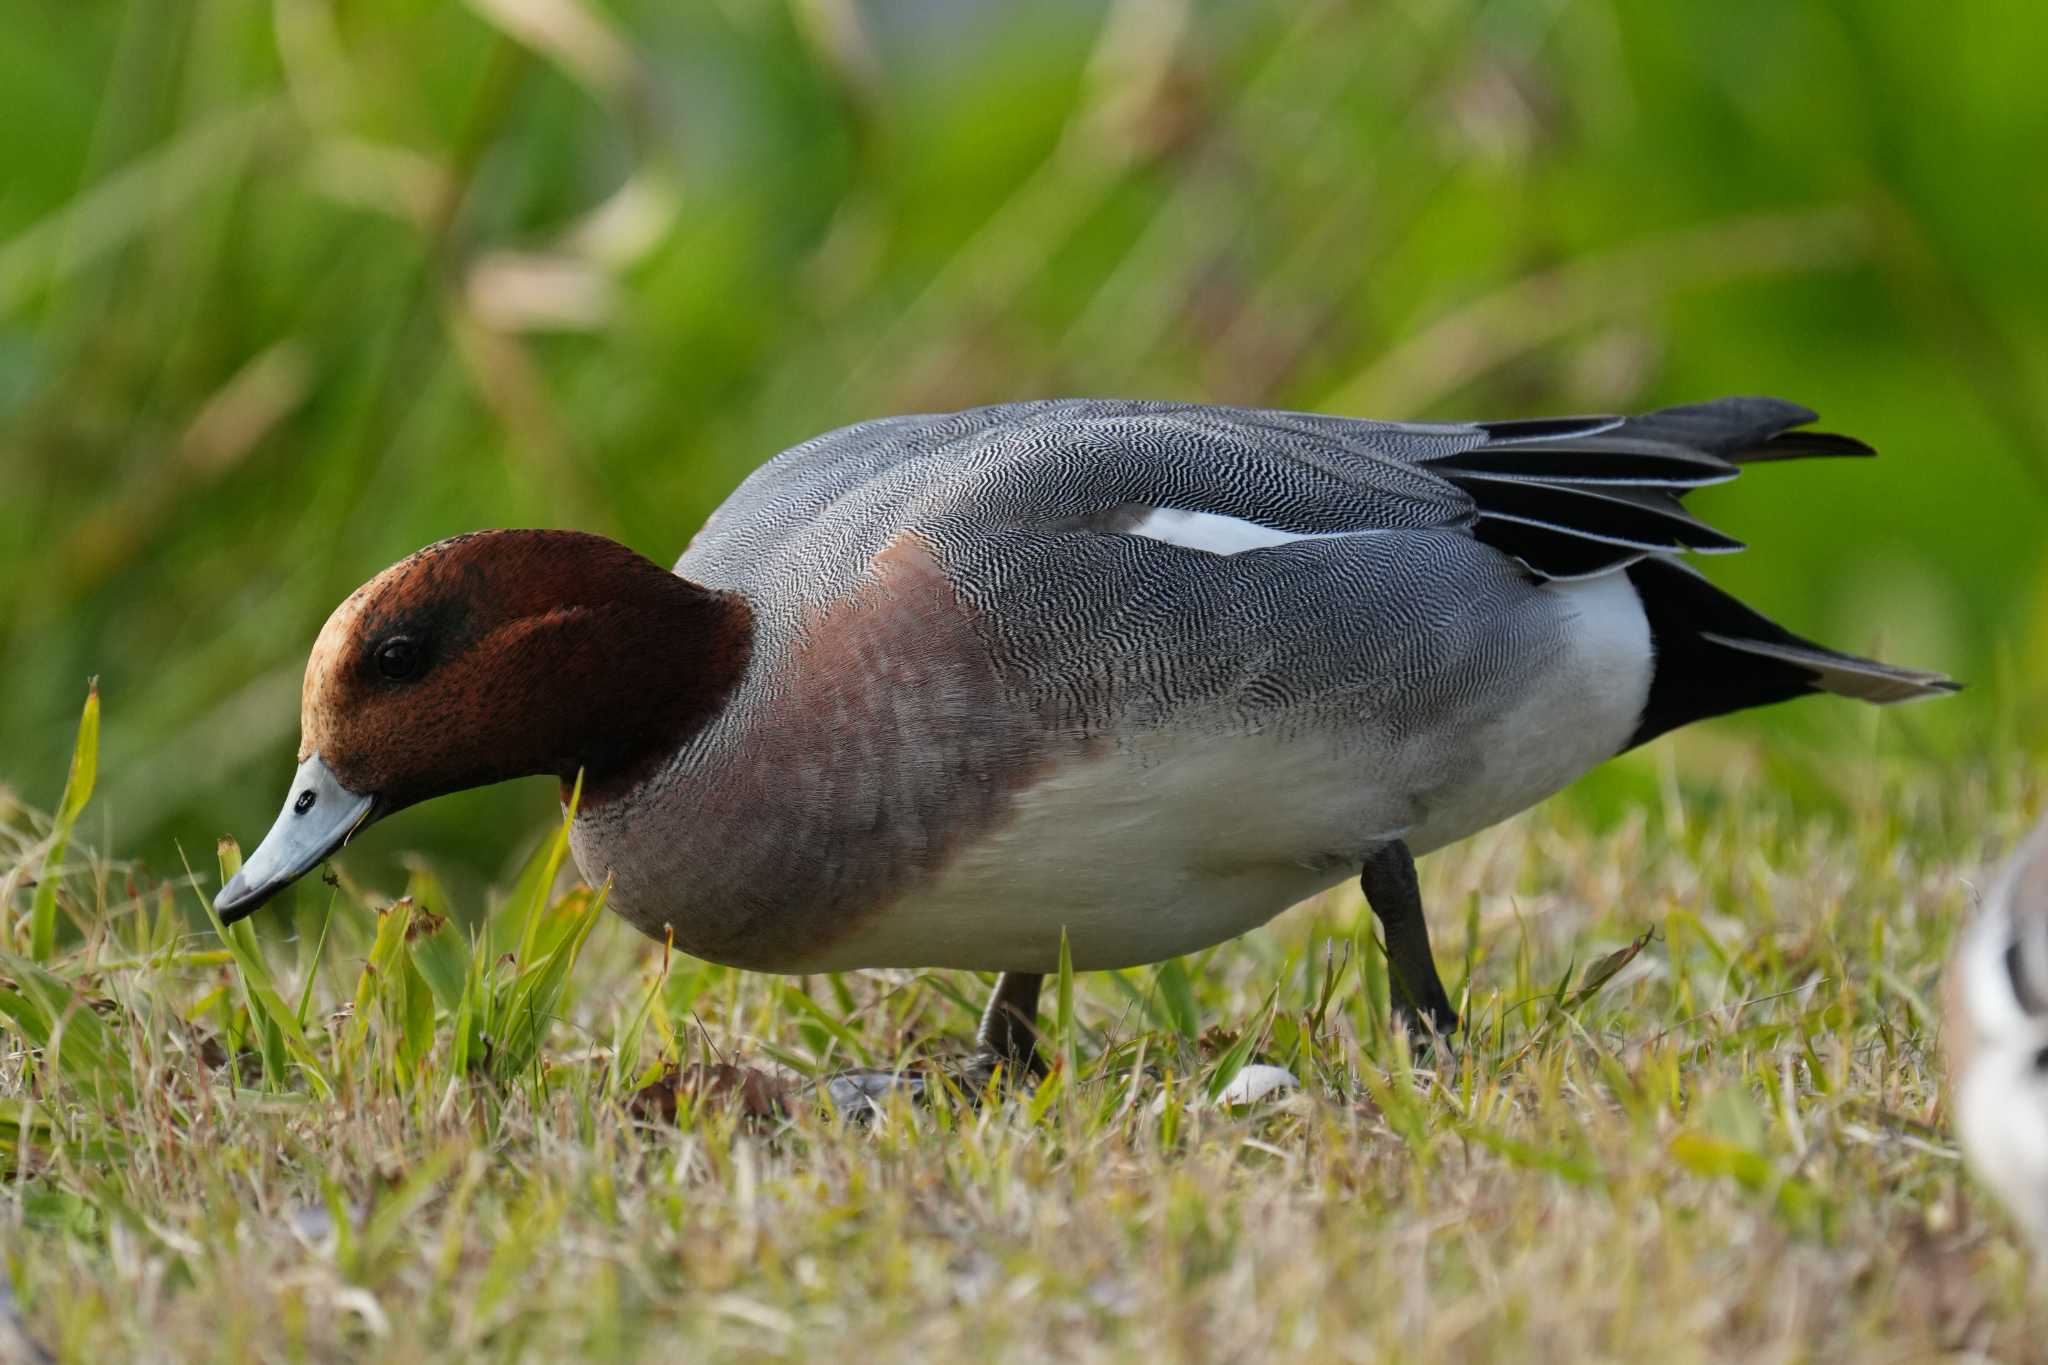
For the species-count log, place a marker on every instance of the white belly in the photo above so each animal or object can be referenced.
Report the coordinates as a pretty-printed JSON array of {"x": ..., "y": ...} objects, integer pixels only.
[
  {"x": 1164, "y": 847},
  {"x": 1177, "y": 841}
]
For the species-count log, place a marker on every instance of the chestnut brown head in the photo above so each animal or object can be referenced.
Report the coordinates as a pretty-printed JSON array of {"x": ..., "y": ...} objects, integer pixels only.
[{"x": 490, "y": 656}]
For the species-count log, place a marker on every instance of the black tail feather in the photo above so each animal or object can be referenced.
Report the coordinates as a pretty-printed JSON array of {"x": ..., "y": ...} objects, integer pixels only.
[
  {"x": 1802, "y": 445},
  {"x": 1636, "y": 517},
  {"x": 1724, "y": 427},
  {"x": 1576, "y": 496},
  {"x": 1715, "y": 655},
  {"x": 1617, "y": 459}
]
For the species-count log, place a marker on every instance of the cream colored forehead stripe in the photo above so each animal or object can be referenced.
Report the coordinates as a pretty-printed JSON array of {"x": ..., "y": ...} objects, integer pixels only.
[{"x": 329, "y": 649}]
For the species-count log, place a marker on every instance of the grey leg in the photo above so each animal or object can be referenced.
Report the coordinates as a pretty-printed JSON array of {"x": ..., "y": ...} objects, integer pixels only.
[
  {"x": 1009, "y": 1027},
  {"x": 1391, "y": 889}
]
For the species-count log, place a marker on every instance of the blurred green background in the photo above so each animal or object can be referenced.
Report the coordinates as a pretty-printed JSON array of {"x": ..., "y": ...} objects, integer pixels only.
[{"x": 291, "y": 287}]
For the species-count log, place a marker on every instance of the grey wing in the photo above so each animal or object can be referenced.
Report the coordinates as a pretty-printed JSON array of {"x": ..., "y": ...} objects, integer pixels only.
[
  {"x": 1114, "y": 633},
  {"x": 819, "y": 507},
  {"x": 1366, "y": 594},
  {"x": 1029, "y": 508},
  {"x": 1568, "y": 497},
  {"x": 1400, "y": 557}
]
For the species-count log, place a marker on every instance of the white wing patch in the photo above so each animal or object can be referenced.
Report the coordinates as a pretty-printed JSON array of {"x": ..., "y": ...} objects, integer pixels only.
[{"x": 1220, "y": 534}]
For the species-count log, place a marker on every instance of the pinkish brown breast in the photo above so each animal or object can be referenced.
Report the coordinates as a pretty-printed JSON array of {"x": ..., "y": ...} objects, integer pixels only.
[{"x": 851, "y": 765}]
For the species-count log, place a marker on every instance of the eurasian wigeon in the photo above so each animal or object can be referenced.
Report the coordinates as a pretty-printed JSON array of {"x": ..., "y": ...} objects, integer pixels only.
[
  {"x": 1995, "y": 1038},
  {"x": 934, "y": 691}
]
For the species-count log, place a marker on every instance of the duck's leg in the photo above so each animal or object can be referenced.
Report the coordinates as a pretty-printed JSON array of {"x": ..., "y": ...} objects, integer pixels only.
[
  {"x": 1007, "y": 1040},
  {"x": 1395, "y": 896},
  {"x": 1009, "y": 1026}
]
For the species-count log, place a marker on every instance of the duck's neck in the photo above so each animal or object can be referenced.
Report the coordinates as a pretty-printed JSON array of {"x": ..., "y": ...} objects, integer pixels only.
[
  {"x": 651, "y": 668},
  {"x": 594, "y": 659}
]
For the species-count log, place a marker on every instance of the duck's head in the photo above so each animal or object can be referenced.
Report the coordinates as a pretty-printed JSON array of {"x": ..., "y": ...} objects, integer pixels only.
[
  {"x": 1995, "y": 1037},
  {"x": 489, "y": 656},
  {"x": 1997, "y": 982}
]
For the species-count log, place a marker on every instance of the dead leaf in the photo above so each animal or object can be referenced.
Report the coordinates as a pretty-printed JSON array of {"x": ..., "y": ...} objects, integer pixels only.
[
  {"x": 424, "y": 924},
  {"x": 1605, "y": 970},
  {"x": 757, "y": 1095}
]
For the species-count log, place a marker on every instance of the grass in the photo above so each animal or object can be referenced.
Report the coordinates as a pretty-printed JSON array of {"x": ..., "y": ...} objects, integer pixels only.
[
  {"x": 1696, "y": 1115},
  {"x": 291, "y": 289}
]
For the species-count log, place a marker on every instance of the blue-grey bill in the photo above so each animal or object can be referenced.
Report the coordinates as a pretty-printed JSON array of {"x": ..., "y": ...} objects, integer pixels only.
[{"x": 318, "y": 817}]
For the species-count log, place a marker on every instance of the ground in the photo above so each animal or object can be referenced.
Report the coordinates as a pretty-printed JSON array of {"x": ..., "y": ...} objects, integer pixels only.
[{"x": 1729, "y": 1146}]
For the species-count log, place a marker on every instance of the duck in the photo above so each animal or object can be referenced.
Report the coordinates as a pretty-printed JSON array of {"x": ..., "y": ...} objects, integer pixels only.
[
  {"x": 1121, "y": 679},
  {"x": 1995, "y": 1038}
]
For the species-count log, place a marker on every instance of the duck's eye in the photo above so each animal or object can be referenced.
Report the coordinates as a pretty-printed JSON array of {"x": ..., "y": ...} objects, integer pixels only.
[{"x": 398, "y": 659}]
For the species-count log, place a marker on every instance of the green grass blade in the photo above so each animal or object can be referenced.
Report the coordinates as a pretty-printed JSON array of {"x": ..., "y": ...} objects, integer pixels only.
[
  {"x": 625, "y": 1061},
  {"x": 416, "y": 1033},
  {"x": 48, "y": 1011},
  {"x": 529, "y": 1009},
  {"x": 313, "y": 966},
  {"x": 380, "y": 985},
  {"x": 85, "y": 760},
  {"x": 439, "y": 951},
  {"x": 1177, "y": 997},
  {"x": 1240, "y": 1052},
  {"x": 85, "y": 763},
  {"x": 466, "y": 1051},
  {"x": 259, "y": 990},
  {"x": 269, "y": 1036},
  {"x": 537, "y": 879},
  {"x": 1065, "y": 1007},
  {"x": 802, "y": 1004}
]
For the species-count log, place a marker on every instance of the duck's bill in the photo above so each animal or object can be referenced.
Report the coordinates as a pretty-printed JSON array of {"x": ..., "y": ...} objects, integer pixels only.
[{"x": 319, "y": 816}]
